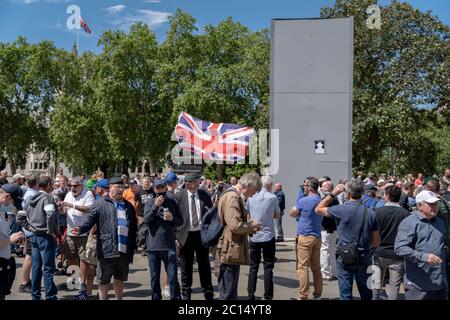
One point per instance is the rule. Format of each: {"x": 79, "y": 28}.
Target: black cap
{"x": 16, "y": 193}
{"x": 191, "y": 177}
{"x": 116, "y": 180}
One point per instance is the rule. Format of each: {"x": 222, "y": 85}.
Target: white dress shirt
{"x": 197, "y": 202}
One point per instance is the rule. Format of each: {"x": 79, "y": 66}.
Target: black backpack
{"x": 212, "y": 227}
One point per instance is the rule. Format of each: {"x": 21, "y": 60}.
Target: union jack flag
{"x": 84, "y": 25}
{"x": 213, "y": 141}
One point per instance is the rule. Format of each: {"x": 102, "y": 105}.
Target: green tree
{"x": 224, "y": 72}
{"x": 397, "y": 69}
{"x": 77, "y": 125}
{"x": 135, "y": 123}
{"x": 27, "y": 92}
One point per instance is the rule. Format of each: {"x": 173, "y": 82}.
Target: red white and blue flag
{"x": 213, "y": 141}
{"x": 84, "y": 25}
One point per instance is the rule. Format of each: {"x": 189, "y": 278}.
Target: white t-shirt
{"x": 77, "y": 218}
{"x": 5, "y": 252}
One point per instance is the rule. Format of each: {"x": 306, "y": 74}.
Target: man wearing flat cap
{"x": 116, "y": 223}
{"x": 193, "y": 203}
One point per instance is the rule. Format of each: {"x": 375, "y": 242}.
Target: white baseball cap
{"x": 426, "y": 196}
{"x": 18, "y": 176}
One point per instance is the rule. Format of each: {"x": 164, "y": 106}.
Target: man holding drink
{"x": 162, "y": 216}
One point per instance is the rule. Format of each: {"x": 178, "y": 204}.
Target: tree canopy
{"x": 121, "y": 105}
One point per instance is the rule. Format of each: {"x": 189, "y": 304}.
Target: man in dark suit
{"x": 193, "y": 203}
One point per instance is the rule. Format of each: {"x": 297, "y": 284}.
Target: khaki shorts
{"x": 75, "y": 247}
{"x": 91, "y": 250}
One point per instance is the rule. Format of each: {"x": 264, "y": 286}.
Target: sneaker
{"x": 83, "y": 296}
{"x": 316, "y": 298}
{"x": 329, "y": 279}
{"x": 25, "y": 288}
{"x": 165, "y": 292}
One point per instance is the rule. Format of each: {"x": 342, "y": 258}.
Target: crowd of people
{"x": 375, "y": 227}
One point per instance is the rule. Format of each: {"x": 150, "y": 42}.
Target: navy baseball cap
{"x": 159, "y": 182}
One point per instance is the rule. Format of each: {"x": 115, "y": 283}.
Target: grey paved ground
{"x": 138, "y": 285}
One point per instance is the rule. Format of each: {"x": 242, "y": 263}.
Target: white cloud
{"x": 152, "y": 18}
{"x": 152, "y": 1}
{"x": 24, "y": 1}
{"x": 115, "y": 9}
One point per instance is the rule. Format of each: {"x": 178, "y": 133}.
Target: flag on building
{"x": 213, "y": 141}
{"x": 84, "y": 25}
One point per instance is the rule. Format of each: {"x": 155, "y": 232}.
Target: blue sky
{"x": 46, "y": 19}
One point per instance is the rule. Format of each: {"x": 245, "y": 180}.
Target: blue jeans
{"x": 169, "y": 257}
{"x": 279, "y": 227}
{"x": 346, "y": 275}
{"x": 43, "y": 262}
{"x": 228, "y": 281}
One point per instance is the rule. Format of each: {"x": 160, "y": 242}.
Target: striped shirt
{"x": 122, "y": 227}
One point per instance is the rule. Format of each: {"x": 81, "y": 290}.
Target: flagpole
{"x": 78, "y": 39}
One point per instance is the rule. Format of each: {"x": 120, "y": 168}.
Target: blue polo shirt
{"x": 348, "y": 219}
{"x": 309, "y": 223}
{"x": 262, "y": 207}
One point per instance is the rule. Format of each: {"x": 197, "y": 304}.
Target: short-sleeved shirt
{"x": 77, "y": 218}
{"x": 309, "y": 222}
{"x": 349, "y": 217}
{"x": 262, "y": 207}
